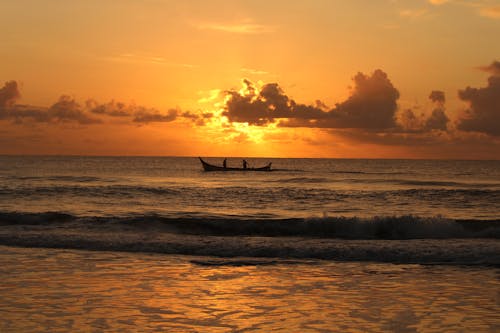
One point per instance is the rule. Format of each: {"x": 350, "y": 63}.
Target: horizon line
{"x": 259, "y": 157}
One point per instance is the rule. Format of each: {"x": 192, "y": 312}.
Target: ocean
{"x": 176, "y": 187}
{"x": 315, "y": 245}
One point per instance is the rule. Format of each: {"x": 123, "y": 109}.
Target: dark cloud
{"x": 189, "y": 115}
{"x": 269, "y": 104}
{"x": 20, "y": 113}
{"x": 372, "y": 108}
{"x": 9, "y": 93}
{"x": 438, "y": 120}
{"x": 143, "y": 115}
{"x": 372, "y": 105}
{"x": 247, "y": 108}
{"x": 410, "y": 122}
{"x": 483, "y": 114}
{"x": 493, "y": 68}
{"x": 113, "y": 109}
{"x": 147, "y": 116}
{"x": 66, "y": 109}
{"x": 437, "y": 96}
{"x": 198, "y": 119}
{"x": 395, "y": 138}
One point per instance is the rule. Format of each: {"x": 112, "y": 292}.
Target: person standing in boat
{"x": 224, "y": 163}
{"x": 245, "y": 164}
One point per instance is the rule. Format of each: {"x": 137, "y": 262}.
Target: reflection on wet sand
{"x": 67, "y": 290}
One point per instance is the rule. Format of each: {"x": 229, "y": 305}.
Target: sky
{"x": 317, "y": 78}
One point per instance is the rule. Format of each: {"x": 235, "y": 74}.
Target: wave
{"x": 276, "y": 192}
{"x": 402, "y": 182}
{"x": 370, "y": 172}
{"x": 86, "y": 190}
{"x": 389, "y": 227}
{"x": 444, "y": 183}
{"x": 76, "y": 179}
{"x": 405, "y": 239}
{"x": 423, "y": 183}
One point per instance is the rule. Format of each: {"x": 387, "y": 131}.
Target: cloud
{"x": 493, "y": 68}
{"x": 372, "y": 105}
{"x": 437, "y": 96}
{"x": 147, "y": 116}
{"x": 265, "y": 106}
{"x": 20, "y": 113}
{"x": 371, "y": 112}
{"x": 409, "y": 122}
{"x": 438, "y": 120}
{"x": 67, "y": 109}
{"x": 9, "y": 93}
{"x": 112, "y": 109}
{"x": 483, "y": 114}
{"x": 198, "y": 119}
{"x": 394, "y": 138}
{"x": 143, "y": 115}
{"x": 491, "y": 12}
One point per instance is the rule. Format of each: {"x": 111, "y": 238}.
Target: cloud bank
{"x": 67, "y": 110}
{"x": 483, "y": 114}
{"x": 372, "y": 106}
{"x": 9, "y": 94}
{"x": 371, "y": 112}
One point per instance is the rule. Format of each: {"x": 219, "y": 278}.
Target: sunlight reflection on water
{"x": 67, "y": 290}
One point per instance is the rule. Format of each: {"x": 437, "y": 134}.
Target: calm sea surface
{"x": 303, "y": 188}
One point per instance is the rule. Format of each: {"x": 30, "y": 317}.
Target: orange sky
{"x": 320, "y": 78}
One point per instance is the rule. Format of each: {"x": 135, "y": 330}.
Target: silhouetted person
{"x": 224, "y": 163}
{"x": 244, "y": 164}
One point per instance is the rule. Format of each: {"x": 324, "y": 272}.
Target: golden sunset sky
{"x": 317, "y": 78}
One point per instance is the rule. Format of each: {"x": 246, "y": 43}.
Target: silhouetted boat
{"x": 210, "y": 167}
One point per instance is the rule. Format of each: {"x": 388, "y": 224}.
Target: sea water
{"x": 46, "y": 290}
{"x": 296, "y": 188}
{"x": 316, "y": 245}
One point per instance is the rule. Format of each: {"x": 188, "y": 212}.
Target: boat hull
{"x": 211, "y": 167}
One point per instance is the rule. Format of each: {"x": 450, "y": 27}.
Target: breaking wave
{"x": 405, "y": 239}
{"x": 391, "y": 227}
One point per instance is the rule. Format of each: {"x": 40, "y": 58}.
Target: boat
{"x": 211, "y": 167}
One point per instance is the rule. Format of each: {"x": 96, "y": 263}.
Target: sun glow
{"x": 225, "y": 131}
{"x": 251, "y": 133}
